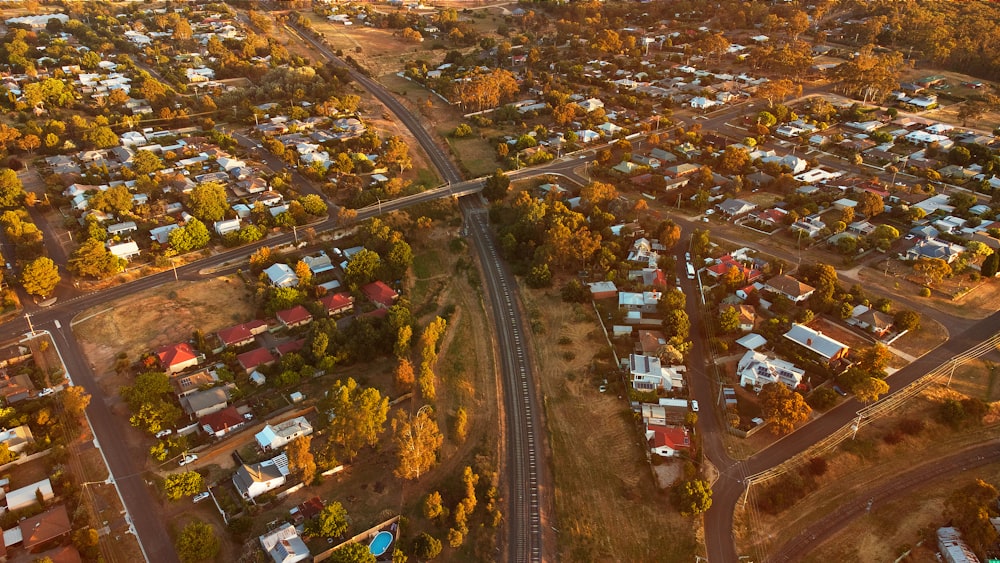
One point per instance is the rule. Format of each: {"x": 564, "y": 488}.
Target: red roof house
{"x": 177, "y": 357}
{"x": 667, "y": 441}
{"x": 289, "y": 347}
{"x": 222, "y": 422}
{"x": 296, "y": 316}
{"x": 241, "y": 334}
{"x": 380, "y": 294}
{"x": 337, "y": 303}
{"x": 255, "y": 358}
{"x": 38, "y": 530}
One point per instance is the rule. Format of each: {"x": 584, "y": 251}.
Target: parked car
{"x": 189, "y": 458}
{"x": 164, "y": 433}
{"x": 840, "y": 391}
{"x": 46, "y": 392}
{"x": 694, "y": 406}
{"x": 201, "y": 496}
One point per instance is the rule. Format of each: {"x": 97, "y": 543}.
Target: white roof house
{"x": 648, "y": 374}
{"x": 284, "y": 545}
{"x": 254, "y": 480}
{"x": 281, "y": 275}
{"x": 17, "y": 439}
{"x": 278, "y": 436}
{"x": 757, "y": 370}
{"x": 319, "y": 263}
{"x": 591, "y": 104}
{"x": 227, "y": 226}
{"x": 816, "y": 342}
{"x": 27, "y": 496}
{"x": 124, "y": 250}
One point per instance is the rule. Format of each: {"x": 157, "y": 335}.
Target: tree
{"x": 178, "y": 485}
{"x": 362, "y": 268}
{"x": 432, "y": 507}
{"x": 75, "y": 400}
{"x": 778, "y": 90}
{"x": 970, "y": 509}
{"x": 314, "y": 205}
{"x": 147, "y": 400}
{"x": 303, "y": 272}
{"x": 40, "y": 277}
{"x": 92, "y": 259}
{"x": 497, "y": 186}
{"x": 359, "y": 416}
{"x": 729, "y": 320}
{"x": 11, "y": 189}
{"x": 190, "y": 237}
{"x": 397, "y": 152}
{"x": 869, "y": 389}
{"x": 869, "y": 204}
{"x": 113, "y": 200}
{"x": 868, "y": 75}
{"x": 353, "y": 553}
{"x": 418, "y": 440}
{"x": 146, "y": 162}
{"x": 197, "y": 542}
{"x": 426, "y": 546}
{"x": 331, "y": 522}
{"x": 598, "y": 193}
{"x": 874, "y": 359}
{"x": 460, "y": 426}
{"x": 906, "y": 320}
{"x": 101, "y": 137}
{"x": 693, "y": 497}
{"x": 403, "y": 376}
{"x": 300, "y": 458}
{"x": 990, "y": 265}
{"x": 783, "y": 408}
{"x": 208, "y": 201}
{"x": 669, "y": 233}
{"x": 934, "y": 269}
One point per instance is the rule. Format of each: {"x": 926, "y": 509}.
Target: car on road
{"x": 46, "y": 392}
{"x": 164, "y": 433}
{"x": 189, "y": 458}
{"x": 694, "y": 405}
{"x": 840, "y": 391}
{"x": 201, "y": 496}
{"x": 687, "y": 256}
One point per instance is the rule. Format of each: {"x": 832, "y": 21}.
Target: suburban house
{"x": 934, "y": 248}
{"x": 603, "y": 290}
{"x": 17, "y": 439}
{"x": 124, "y": 250}
{"x": 757, "y": 370}
{"x": 255, "y": 358}
{"x": 650, "y": 342}
{"x": 667, "y": 441}
{"x": 380, "y": 294}
{"x": 176, "y": 358}
{"x": 747, "y": 315}
{"x": 294, "y": 317}
{"x": 281, "y": 275}
{"x": 256, "y": 479}
{"x": 319, "y": 263}
{"x": 227, "y": 226}
{"x": 278, "y": 436}
{"x": 337, "y": 303}
{"x": 816, "y": 342}
{"x": 790, "y": 287}
{"x": 284, "y": 545}
{"x": 38, "y": 531}
{"x": 202, "y": 403}
{"x": 223, "y": 422}
{"x": 953, "y": 548}
{"x": 649, "y": 375}
{"x": 187, "y": 383}
{"x": 28, "y": 495}
{"x": 875, "y": 322}
{"x": 735, "y": 207}
{"x": 645, "y": 302}
{"x": 241, "y": 334}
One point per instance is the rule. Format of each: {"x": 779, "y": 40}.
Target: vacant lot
{"x": 607, "y": 504}
{"x": 977, "y": 300}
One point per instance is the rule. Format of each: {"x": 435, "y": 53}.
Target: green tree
{"x": 418, "y": 440}
{"x": 426, "y": 546}
{"x": 101, "y": 137}
{"x": 353, "y": 553}
{"x": 112, "y": 200}
{"x": 693, "y": 497}
{"x": 92, "y": 259}
{"x": 934, "y": 269}
{"x": 150, "y": 400}
{"x": 40, "y": 277}
{"x": 729, "y": 320}
{"x": 300, "y": 457}
{"x": 314, "y": 205}
{"x": 362, "y": 268}
{"x": 146, "y": 162}
{"x": 497, "y": 186}
{"x": 11, "y": 189}
{"x": 990, "y": 265}
{"x": 869, "y": 389}
{"x": 208, "y": 201}
{"x": 197, "y": 542}
{"x": 331, "y": 522}
{"x": 192, "y": 236}
{"x": 178, "y": 485}
{"x": 359, "y": 416}
{"x": 783, "y": 409}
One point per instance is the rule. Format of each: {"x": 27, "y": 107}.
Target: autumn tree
{"x": 359, "y": 416}
{"x": 11, "y": 189}
{"x": 487, "y": 90}
{"x": 418, "y": 440}
{"x": 40, "y": 277}
{"x": 331, "y": 522}
{"x": 970, "y": 509}
{"x": 874, "y": 359}
{"x": 396, "y": 152}
{"x": 403, "y": 376}
{"x": 197, "y": 542}
{"x": 300, "y": 458}
{"x": 598, "y": 193}
{"x": 778, "y": 91}
{"x": 933, "y": 269}
{"x": 869, "y": 389}
{"x": 460, "y": 425}
{"x": 870, "y": 75}
{"x": 869, "y": 204}
{"x": 783, "y": 408}
{"x": 75, "y": 400}
{"x": 185, "y": 484}
{"x": 92, "y": 259}
{"x": 669, "y": 233}
{"x": 692, "y": 497}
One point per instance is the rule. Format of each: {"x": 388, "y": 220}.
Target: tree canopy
{"x": 11, "y": 189}
{"x": 783, "y": 408}
{"x": 92, "y": 259}
{"x": 197, "y": 542}
{"x": 359, "y": 416}
{"x": 418, "y": 440}
{"x": 331, "y": 522}
{"x": 208, "y": 201}
{"x": 40, "y": 277}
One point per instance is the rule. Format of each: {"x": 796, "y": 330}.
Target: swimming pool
{"x": 380, "y": 543}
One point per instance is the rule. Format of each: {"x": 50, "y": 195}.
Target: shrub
{"x": 463, "y": 130}
{"x": 822, "y": 399}
{"x": 818, "y": 466}
{"x": 925, "y": 292}
{"x": 911, "y": 426}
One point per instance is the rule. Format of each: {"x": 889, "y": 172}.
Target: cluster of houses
{"x": 314, "y": 138}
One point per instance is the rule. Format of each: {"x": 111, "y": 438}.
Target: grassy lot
{"x": 930, "y": 335}
{"x": 978, "y": 378}
{"x": 607, "y": 504}
{"x": 899, "y": 279}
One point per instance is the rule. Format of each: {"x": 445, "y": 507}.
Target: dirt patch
{"x": 608, "y": 506}
{"x": 958, "y": 295}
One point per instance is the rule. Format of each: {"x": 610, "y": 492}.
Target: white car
{"x": 201, "y": 496}
{"x": 687, "y": 256}
{"x": 190, "y": 458}
{"x": 694, "y": 406}
{"x": 46, "y": 392}
{"x": 164, "y": 433}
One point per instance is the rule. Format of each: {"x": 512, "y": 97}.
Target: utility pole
{"x": 173, "y": 266}
{"x": 27, "y": 317}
